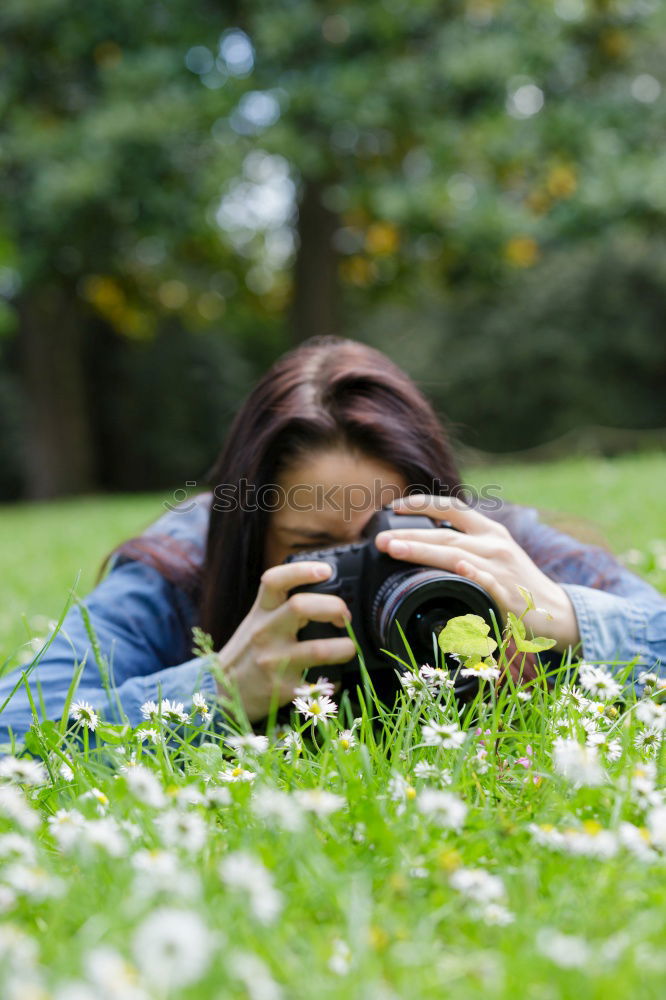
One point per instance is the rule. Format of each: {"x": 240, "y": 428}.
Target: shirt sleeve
{"x": 142, "y": 628}
{"x": 621, "y": 618}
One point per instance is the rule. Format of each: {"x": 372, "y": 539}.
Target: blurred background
{"x": 189, "y": 188}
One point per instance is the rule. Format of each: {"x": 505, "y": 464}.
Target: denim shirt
{"x": 143, "y": 622}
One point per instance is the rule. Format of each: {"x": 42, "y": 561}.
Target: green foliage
{"x": 471, "y": 158}
{"x": 493, "y": 848}
{"x": 524, "y": 645}
{"x": 467, "y": 636}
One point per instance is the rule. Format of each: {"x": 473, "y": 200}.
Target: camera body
{"x": 381, "y": 592}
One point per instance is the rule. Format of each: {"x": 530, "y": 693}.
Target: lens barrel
{"x": 423, "y": 601}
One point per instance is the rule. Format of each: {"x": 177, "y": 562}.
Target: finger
{"x": 478, "y": 575}
{"x": 452, "y": 509}
{"x": 437, "y": 536}
{"x": 321, "y": 652}
{"x": 299, "y": 609}
{"x": 439, "y": 556}
{"x": 277, "y": 581}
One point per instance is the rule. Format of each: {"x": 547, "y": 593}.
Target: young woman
{"x": 331, "y": 433}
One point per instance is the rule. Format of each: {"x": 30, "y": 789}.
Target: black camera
{"x": 382, "y": 592}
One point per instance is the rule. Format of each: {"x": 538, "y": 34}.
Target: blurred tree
{"x": 107, "y": 161}
{"x": 452, "y": 145}
{"x": 172, "y": 171}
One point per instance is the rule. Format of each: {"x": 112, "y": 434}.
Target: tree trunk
{"x": 59, "y": 457}
{"x": 315, "y": 305}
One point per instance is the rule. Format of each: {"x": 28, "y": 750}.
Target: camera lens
{"x": 430, "y": 618}
{"x": 422, "y": 601}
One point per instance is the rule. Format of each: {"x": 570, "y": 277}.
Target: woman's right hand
{"x": 264, "y": 660}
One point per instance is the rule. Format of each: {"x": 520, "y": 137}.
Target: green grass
{"x": 509, "y": 860}
{"x": 46, "y": 548}
{"x": 621, "y": 500}
{"x": 502, "y": 863}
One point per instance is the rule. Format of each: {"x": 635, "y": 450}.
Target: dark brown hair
{"x": 329, "y": 392}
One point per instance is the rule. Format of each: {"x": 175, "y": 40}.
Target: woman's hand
{"x": 263, "y": 659}
{"x": 483, "y": 551}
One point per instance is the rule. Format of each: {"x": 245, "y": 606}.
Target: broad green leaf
{"x": 467, "y": 635}
{"x": 516, "y": 626}
{"x": 535, "y": 645}
{"x": 524, "y": 645}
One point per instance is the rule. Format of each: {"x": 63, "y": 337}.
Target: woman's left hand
{"x": 482, "y": 550}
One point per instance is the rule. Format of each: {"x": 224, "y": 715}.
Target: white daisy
{"x": 35, "y": 883}
{"x": 483, "y": 671}
{"x": 613, "y": 750}
{"x": 65, "y": 770}
{"x": 184, "y": 830}
{"x": 598, "y": 681}
{"x": 99, "y": 797}
{"x": 273, "y": 805}
{"x": 565, "y": 950}
{"x": 318, "y": 801}
{"x": 400, "y": 790}
{"x": 244, "y": 743}
{"x": 437, "y": 678}
{"x": 173, "y": 712}
{"x": 649, "y": 740}
{"x": 255, "y": 976}
{"x": 412, "y": 684}
{"x": 572, "y": 696}
{"x": 426, "y": 771}
{"x": 577, "y": 763}
{"x": 322, "y": 688}
{"x": 346, "y": 739}
{"x": 25, "y": 771}
{"x": 636, "y": 840}
{"x": 66, "y": 826}
{"x": 341, "y": 958}
{"x": 200, "y": 705}
{"x": 591, "y": 841}
{"x": 148, "y": 733}
{"x": 18, "y": 847}
{"x": 242, "y": 870}
{"x": 319, "y": 708}
{"x": 236, "y": 773}
{"x": 448, "y": 736}
{"x": 145, "y": 786}
{"x": 495, "y": 914}
{"x": 218, "y": 797}
{"x": 478, "y": 884}
{"x": 643, "y": 785}
{"x": 444, "y": 807}
{"x": 113, "y": 977}
{"x": 14, "y": 805}
{"x": 651, "y": 714}
{"x": 105, "y": 834}
{"x": 290, "y": 741}
{"x": 85, "y": 714}
{"x": 656, "y": 823}
{"x": 172, "y": 948}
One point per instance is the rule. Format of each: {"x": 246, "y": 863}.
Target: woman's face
{"x": 329, "y": 498}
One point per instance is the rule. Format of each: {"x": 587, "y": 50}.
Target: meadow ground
{"x": 516, "y": 848}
